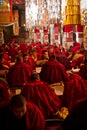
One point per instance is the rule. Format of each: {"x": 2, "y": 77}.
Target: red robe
{"x": 19, "y": 74}
{"x": 53, "y": 72}
{"x": 75, "y": 89}
{"x": 77, "y": 119}
{"x": 4, "y": 94}
{"x": 32, "y": 120}
{"x": 83, "y": 71}
{"x": 77, "y": 61}
{"x": 43, "y": 96}
{"x": 31, "y": 62}
{"x": 63, "y": 60}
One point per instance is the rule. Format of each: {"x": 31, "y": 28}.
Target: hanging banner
{"x": 79, "y": 33}
{"x": 16, "y": 23}
{"x": 5, "y": 11}
{"x": 56, "y": 28}
{"x": 45, "y": 35}
{"x": 37, "y": 34}
{"x": 68, "y": 28}
{"x": 56, "y": 32}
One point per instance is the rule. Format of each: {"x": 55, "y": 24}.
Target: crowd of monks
{"x": 18, "y": 63}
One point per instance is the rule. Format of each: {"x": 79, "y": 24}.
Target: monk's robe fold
{"x": 77, "y": 119}
{"x": 74, "y": 90}
{"x": 4, "y": 94}
{"x": 43, "y": 96}
{"x": 19, "y": 74}
{"x": 53, "y": 72}
{"x": 63, "y": 60}
{"x": 83, "y": 71}
{"x": 32, "y": 120}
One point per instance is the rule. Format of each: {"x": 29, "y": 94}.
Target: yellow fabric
{"x": 76, "y": 56}
{"x": 3, "y": 72}
{"x": 69, "y": 2}
{"x": 4, "y": 80}
{"x": 76, "y": 2}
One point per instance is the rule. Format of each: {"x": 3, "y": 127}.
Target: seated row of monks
{"x": 36, "y": 87}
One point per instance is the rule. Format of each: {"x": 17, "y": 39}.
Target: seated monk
{"x": 29, "y": 60}
{"x": 77, "y": 119}
{"x": 79, "y": 60}
{"x": 3, "y": 67}
{"x": 53, "y": 71}
{"x": 42, "y": 95}
{"x": 21, "y": 115}
{"x": 4, "y": 94}
{"x": 83, "y": 71}
{"x": 19, "y": 74}
{"x": 74, "y": 90}
{"x": 45, "y": 58}
{"x": 45, "y": 55}
{"x": 63, "y": 60}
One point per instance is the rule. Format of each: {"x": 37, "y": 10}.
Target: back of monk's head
{"x": 17, "y": 101}
{"x": 19, "y": 58}
{"x": 34, "y": 76}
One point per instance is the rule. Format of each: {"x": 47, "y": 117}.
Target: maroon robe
{"x": 32, "y": 120}
{"x": 83, "y": 71}
{"x": 77, "y": 62}
{"x": 23, "y": 47}
{"x": 43, "y": 96}
{"x": 53, "y": 72}
{"x": 77, "y": 119}
{"x": 31, "y": 62}
{"x": 4, "y": 94}
{"x": 19, "y": 74}
{"x": 63, "y": 60}
{"x": 75, "y": 89}
{"x": 12, "y": 52}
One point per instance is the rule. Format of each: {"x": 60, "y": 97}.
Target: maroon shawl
{"x": 43, "y": 96}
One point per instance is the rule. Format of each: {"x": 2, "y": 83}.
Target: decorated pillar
{"x": 73, "y": 17}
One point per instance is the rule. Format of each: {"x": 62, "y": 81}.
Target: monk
{"x": 77, "y": 119}
{"x": 4, "y": 94}
{"x": 3, "y": 67}
{"x": 83, "y": 71}
{"x": 53, "y": 71}
{"x": 29, "y": 60}
{"x": 19, "y": 74}
{"x": 75, "y": 89}
{"x": 21, "y": 115}
{"x": 42, "y": 95}
{"x": 45, "y": 55}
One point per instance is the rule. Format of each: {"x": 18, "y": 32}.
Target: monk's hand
{"x": 62, "y": 113}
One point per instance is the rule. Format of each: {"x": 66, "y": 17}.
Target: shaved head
{"x": 17, "y": 101}
{"x": 18, "y": 106}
